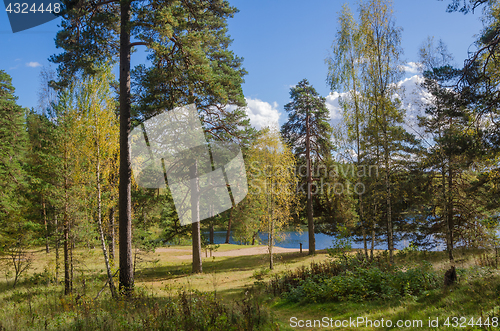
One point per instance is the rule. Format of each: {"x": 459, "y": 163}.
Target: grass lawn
{"x": 37, "y": 303}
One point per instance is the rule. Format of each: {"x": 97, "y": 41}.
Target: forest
{"x": 99, "y": 234}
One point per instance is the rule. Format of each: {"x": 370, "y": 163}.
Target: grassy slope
{"x": 162, "y": 274}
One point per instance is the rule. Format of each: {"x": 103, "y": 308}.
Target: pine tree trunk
{"x": 228, "y": 233}
{"x": 67, "y": 276}
{"x": 372, "y": 241}
{"x": 46, "y": 226}
{"x": 449, "y": 210}
{"x": 211, "y": 233}
{"x": 363, "y": 229}
{"x": 57, "y": 247}
{"x": 195, "y": 215}
{"x": 310, "y": 219}
{"x": 125, "y": 221}
{"x": 373, "y": 232}
{"x": 71, "y": 247}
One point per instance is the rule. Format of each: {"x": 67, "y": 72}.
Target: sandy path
{"x": 234, "y": 252}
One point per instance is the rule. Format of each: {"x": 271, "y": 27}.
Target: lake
{"x": 293, "y": 240}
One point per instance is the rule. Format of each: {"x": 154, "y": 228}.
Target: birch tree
{"x": 344, "y": 76}
{"x": 272, "y": 184}
{"x": 382, "y": 70}
{"x": 99, "y": 130}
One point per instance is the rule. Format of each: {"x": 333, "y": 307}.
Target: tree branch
{"x": 138, "y": 43}
{"x": 105, "y": 3}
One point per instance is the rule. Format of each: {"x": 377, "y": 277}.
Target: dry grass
{"x": 164, "y": 274}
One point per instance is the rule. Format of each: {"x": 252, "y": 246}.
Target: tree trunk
{"x": 125, "y": 221}
{"x": 310, "y": 219}
{"x": 363, "y": 230}
{"x": 57, "y": 247}
{"x": 195, "y": 218}
{"x": 67, "y": 276}
{"x": 99, "y": 221}
{"x": 271, "y": 229}
{"x": 390, "y": 242}
{"x": 111, "y": 234}
{"x": 228, "y": 233}
{"x": 373, "y": 232}
{"x": 270, "y": 244}
{"x": 449, "y": 210}
{"x": 67, "y": 258}
{"x": 46, "y": 226}
{"x": 358, "y": 150}
{"x": 72, "y": 246}
{"x": 211, "y": 233}
{"x": 373, "y": 241}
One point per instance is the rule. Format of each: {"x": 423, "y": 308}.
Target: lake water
{"x": 293, "y": 240}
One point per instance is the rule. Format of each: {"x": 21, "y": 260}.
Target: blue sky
{"x": 281, "y": 41}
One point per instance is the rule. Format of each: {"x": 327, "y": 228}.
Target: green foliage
{"x": 365, "y": 67}
{"x": 205, "y": 243}
{"x": 410, "y": 250}
{"x": 13, "y": 177}
{"x": 341, "y": 244}
{"x": 361, "y": 282}
{"x": 307, "y": 120}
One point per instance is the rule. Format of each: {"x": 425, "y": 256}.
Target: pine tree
{"x": 17, "y": 230}
{"x": 454, "y": 151}
{"x": 308, "y": 132}
{"x": 191, "y": 63}
{"x": 13, "y": 147}
{"x": 39, "y": 163}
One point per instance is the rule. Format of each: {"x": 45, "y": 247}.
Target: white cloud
{"x": 33, "y": 64}
{"x": 415, "y": 98}
{"x": 262, "y": 114}
{"x": 412, "y": 68}
{"x": 332, "y": 103}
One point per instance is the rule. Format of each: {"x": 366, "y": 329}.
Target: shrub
{"x": 353, "y": 278}
{"x": 365, "y": 284}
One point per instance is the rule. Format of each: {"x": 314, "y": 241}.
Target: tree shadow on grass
{"x": 220, "y": 264}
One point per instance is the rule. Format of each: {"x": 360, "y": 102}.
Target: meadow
{"x": 236, "y": 293}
